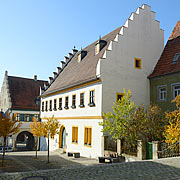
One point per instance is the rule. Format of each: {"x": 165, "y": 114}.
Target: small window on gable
{"x": 175, "y": 59}
{"x": 81, "y": 55}
{"x": 137, "y": 63}
{"x": 100, "y": 45}
{"x": 119, "y": 96}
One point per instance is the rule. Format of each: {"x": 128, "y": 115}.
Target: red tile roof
{"x": 23, "y": 92}
{"x": 165, "y": 65}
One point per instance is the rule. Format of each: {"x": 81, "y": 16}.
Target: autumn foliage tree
{"x": 8, "y": 126}
{"x": 130, "y": 122}
{"x": 37, "y": 131}
{"x": 172, "y": 130}
{"x": 50, "y": 129}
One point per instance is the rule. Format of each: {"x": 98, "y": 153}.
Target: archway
{"x": 62, "y": 137}
{"x": 25, "y": 141}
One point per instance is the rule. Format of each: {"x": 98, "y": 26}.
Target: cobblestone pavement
{"x": 163, "y": 169}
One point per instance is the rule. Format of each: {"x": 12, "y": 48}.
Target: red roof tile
{"x": 23, "y": 92}
{"x": 165, "y": 65}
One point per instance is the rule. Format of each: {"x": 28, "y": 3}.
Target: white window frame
{"x": 164, "y": 92}
{"x": 173, "y": 89}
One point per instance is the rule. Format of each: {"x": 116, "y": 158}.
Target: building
{"x": 165, "y": 79}
{"x": 20, "y": 96}
{"x": 89, "y": 81}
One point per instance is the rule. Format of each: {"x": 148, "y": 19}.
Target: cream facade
{"x": 126, "y": 61}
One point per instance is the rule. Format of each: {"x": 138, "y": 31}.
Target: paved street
{"x": 163, "y": 169}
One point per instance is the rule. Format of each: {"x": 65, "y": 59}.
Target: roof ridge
{"x": 176, "y": 31}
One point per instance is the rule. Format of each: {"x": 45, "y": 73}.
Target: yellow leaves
{"x": 172, "y": 131}
{"x": 36, "y": 128}
{"x": 50, "y": 127}
{"x": 8, "y": 125}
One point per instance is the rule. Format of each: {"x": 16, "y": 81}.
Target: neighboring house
{"x": 89, "y": 81}
{"x": 20, "y": 96}
{"x": 165, "y": 79}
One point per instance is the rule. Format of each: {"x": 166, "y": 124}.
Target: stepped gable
{"x": 165, "y": 65}
{"x": 23, "y": 92}
{"x": 75, "y": 73}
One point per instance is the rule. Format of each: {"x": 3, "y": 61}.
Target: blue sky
{"x": 35, "y": 35}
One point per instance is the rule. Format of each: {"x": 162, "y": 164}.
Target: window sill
{"x": 91, "y": 104}
{"x": 86, "y": 145}
{"x": 81, "y": 105}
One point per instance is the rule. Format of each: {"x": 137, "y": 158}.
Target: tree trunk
{"x": 36, "y": 146}
{"x": 4, "y": 150}
{"x": 48, "y": 148}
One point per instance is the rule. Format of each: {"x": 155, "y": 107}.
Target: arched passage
{"x": 25, "y": 141}
{"x": 62, "y": 137}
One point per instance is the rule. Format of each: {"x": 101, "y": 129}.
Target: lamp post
{"x": 48, "y": 143}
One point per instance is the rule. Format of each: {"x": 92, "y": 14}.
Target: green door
{"x": 148, "y": 150}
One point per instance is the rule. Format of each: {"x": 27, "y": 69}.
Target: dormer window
{"x": 176, "y": 57}
{"x": 81, "y": 55}
{"x": 99, "y": 46}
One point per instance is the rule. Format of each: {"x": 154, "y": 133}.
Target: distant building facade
{"x": 20, "y": 96}
{"x": 165, "y": 79}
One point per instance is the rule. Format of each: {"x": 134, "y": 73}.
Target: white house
{"x": 89, "y": 81}
{"x": 20, "y": 96}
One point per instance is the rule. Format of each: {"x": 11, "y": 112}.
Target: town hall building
{"x": 90, "y": 80}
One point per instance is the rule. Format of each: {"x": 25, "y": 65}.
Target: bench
{"x": 111, "y": 159}
{"x": 75, "y": 154}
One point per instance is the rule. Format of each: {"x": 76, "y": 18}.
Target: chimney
{"x": 74, "y": 50}
{"x": 70, "y": 55}
{"x": 66, "y": 59}
{"x": 55, "y": 74}
{"x": 50, "y": 80}
{"x": 59, "y": 69}
{"x": 35, "y": 77}
{"x": 63, "y": 64}
{"x": 6, "y": 73}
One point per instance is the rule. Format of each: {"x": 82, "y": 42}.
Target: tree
{"x": 117, "y": 123}
{"x": 50, "y": 129}
{"x": 148, "y": 123}
{"x": 8, "y": 126}
{"x": 172, "y": 130}
{"x": 130, "y": 123}
{"x": 37, "y": 131}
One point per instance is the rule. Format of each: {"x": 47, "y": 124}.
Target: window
{"x": 137, "y": 63}
{"x": 175, "y": 59}
{"x": 55, "y": 105}
{"x": 66, "y": 102}
{"x": 91, "y": 98}
{"x": 73, "y": 101}
{"x": 60, "y": 103}
{"x": 50, "y": 105}
{"x": 175, "y": 90}
{"x": 17, "y": 117}
{"x": 37, "y": 116}
{"x": 81, "y": 100}
{"x": 46, "y": 105}
{"x": 31, "y": 117}
{"x": 42, "y": 106}
{"x": 87, "y": 136}
{"x": 22, "y": 117}
{"x": 119, "y": 96}
{"x": 162, "y": 93}
{"x": 27, "y": 117}
{"x": 74, "y": 134}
